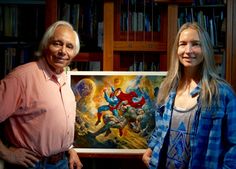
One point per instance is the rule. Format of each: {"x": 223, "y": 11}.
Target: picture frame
{"x": 114, "y": 111}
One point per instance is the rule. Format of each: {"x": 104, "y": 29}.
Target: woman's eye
{"x": 181, "y": 44}
{"x": 196, "y": 44}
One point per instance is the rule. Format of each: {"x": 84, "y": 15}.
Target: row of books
{"x": 16, "y": 22}
{"x": 220, "y": 61}
{"x": 8, "y": 22}
{"x": 86, "y": 66}
{"x": 139, "y": 16}
{"x": 212, "y": 19}
{"x": 12, "y": 55}
{"x": 208, "y": 2}
{"x": 139, "y": 22}
{"x": 86, "y": 17}
{"x": 144, "y": 66}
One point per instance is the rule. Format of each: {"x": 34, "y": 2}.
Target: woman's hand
{"x": 147, "y": 156}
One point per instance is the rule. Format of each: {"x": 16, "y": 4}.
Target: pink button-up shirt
{"x": 40, "y": 109}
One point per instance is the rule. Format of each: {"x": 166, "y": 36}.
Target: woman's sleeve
{"x": 230, "y": 155}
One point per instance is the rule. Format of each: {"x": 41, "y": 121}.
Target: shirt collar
{"x": 196, "y": 90}
{"x": 50, "y": 75}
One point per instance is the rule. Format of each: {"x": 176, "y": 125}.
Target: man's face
{"x": 61, "y": 49}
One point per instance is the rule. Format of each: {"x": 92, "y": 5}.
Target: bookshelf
{"x": 212, "y": 17}
{"x": 119, "y": 48}
{"x": 138, "y": 35}
{"x": 129, "y": 41}
{"x": 229, "y": 48}
{"x": 115, "y": 52}
{"x": 87, "y": 19}
{"x": 19, "y": 32}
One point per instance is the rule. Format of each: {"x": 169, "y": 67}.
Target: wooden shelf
{"x": 110, "y": 153}
{"x": 160, "y": 42}
{"x": 174, "y": 1}
{"x": 27, "y": 2}
{"x": 89, "y": 56}
{"x": 139, "y": 46}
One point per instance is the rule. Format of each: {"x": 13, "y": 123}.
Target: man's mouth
{"x": 61, "y": 59}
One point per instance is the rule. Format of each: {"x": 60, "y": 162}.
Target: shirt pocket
{"x": 210, "y": 123}
{"x": 34, "y": 111}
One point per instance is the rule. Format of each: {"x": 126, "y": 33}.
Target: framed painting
{"x": 115, "y": 110}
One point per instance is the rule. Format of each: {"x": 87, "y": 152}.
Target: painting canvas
{"x": 115, "y": 110}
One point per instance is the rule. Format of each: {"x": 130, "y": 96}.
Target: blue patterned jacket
{"x": 213, "y": 144}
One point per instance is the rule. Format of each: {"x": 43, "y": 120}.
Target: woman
{"x": 196, "y": 109}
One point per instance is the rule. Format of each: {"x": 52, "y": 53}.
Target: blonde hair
{"x": 209, "y": 77}
{"x": 50, "y": 32}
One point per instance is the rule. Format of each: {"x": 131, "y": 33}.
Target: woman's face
{"x": 189, "y": 49}
{"x": 61, "y": 47}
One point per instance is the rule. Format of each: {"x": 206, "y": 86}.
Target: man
{"x": 38, "y": 106}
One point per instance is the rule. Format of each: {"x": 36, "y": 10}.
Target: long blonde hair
{"x": 209, "y": 77}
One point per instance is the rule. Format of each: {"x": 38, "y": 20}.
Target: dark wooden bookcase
{"x": 19, "y": 32}
{"x": 121, "y": 48}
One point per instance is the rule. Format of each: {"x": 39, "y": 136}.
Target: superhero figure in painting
{"x": 116, "y": 98}
{"x": 112, "y": 100}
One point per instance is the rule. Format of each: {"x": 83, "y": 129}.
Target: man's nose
{"x": 63, "y": 49}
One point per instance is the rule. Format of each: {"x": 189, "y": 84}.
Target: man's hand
{"x": 147, "y": 156}
{"x": 74, "y": 161}
{"x": 20, "y": 156}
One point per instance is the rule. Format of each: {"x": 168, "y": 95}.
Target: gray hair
{"x": 50, "y": 32}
